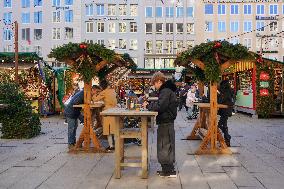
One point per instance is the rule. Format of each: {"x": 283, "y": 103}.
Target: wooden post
{"x": 213, "y": 115}
{"x": 87, "y": 115}
{"x": 16, "y": 52}
{"x": 200, "y": 88}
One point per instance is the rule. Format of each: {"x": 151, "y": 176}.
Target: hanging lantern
{"x": 264, "y": 92}
{"x": 264, "y": 76}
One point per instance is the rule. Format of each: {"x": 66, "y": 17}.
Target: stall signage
{"x": 264, "y": 76}
{"x": 266, "y": 18}
{"x": 264, "y": 92}
{"x": 264, "y": 84}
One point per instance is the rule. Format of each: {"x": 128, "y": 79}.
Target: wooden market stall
{"x": 243, "y": 79}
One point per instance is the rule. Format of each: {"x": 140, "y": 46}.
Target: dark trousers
{"x": 166, "y": 146}
{"x": 182, "y": 102}
{"x": 223, "y": 125}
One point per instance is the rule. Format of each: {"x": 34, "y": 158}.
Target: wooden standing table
{"x": 121, "y": 133}
{"x": 87, "y": 131}
{"x": 203, "y": 122}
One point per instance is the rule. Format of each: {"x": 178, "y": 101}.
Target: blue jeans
{"x": 72, "y": 127}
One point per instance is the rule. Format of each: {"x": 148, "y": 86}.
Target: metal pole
{"x": 16, "y": 52}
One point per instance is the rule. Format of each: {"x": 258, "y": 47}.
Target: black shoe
{"x": 228, "y": 143}
{"x": 171, "y": 174}
{"x": 110, "y": 149}
{"x": 189, "y": 118}
{"x": 159, "y": 172}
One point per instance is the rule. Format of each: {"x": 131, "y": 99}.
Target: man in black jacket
{"x": 166, "y": 106}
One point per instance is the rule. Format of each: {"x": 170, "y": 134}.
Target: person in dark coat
{"x": 166, "y": 106}
{"x": 225, "y": 96}
{"x": 182, "y": 97}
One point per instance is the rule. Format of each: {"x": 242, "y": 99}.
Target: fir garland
{"x": 213, "y": 54}
{"x": 264, "y": 104}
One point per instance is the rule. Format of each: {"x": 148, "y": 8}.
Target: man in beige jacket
{"x": 108, "y": 96}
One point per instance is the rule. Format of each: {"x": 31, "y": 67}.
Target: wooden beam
{"x": 227, "y": 64}
{"x": 100, "y": 65}
{"x": 198, "y": 63}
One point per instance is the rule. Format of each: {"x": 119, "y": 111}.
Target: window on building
{"x": 134, "y": 10}
{"x": 149, "y": 47}
{"x": 235, "y": 41}
{"x": 169, "y": 12}
{"x": 111, "y": 27}
{"x": 234, "y": 26}
{"x": 260, "y": 25}
{"x": 169, "y": 63}
{"x": 69, "y": 16}
{"x": 149, "y": 63}
{"x": 68, "y": 2}
{"x": 234, "y": 9}
{"x": 55, "y": 3}
{"x": 26, "y": 34}
{"x": 101, "y": 42}
{"x": 222, "y": 26}
{"x": 170, "y": 47}
{"x": 8, "y": 48}
{"x": 247, "y": 9}
{"x": 169, "y": 28}
{"x": 100, "y": 9}
{"x": 159, "y": 28}
{"x": 179, "y": 46}
{"x": 122, "y": 10}
{"x": 189, "y": 43}
{"x": 248, "y": 42}
{"x": 149, "y": 28}
{"x": 122, "y": 27}
{"x": 221, "y": 9}
{"x": 111, "y": 10}
{"x": 190, "y": 28}
{"x": 122, "y": 44}
{"x": 69, "y": 33}
{"x": 56, "y": 33}
{"x": 25, "y": 18}
{"x": 38, "y": 50}
{"x": 149, "y": 12}
{"x": 89, "y": 10}
{"x": 209, "y": 26}
{"x": 273, "y": 9}
{"x": 273, "y": 26}
{"x": 111, "y": 44}
{"x": 7, "y": 3}
{"x": 25, "y": 3}
{"x": 208, "y": 8}
{"x": 159, "y": 12}
{"x": 38, "y": 17}
{"x": 159, "y": 63}
{"x": 7, "y": 18}
{"x": 133, "y": 27}
{"x": 180, "y": 28}
{"x": 260, "y": 9}
{"x": 179, "y": 12}
{"x": 37, "y": 34}
{"x": 247, "y": 26}
{"x": 38, "y": 3}
{"x": 100, "y": 27}
{"x": 133, "y": 44}
{"x": 56, "y": 16}
{"x": 159, "y": 47}
{"x": 7, "y": 35}
{"x": 189, "y": 11}
{"x": 89, "y": 27}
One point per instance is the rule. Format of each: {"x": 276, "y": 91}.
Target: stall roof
{"x": 275, "y": 61}
{"x": 24, "y": 57}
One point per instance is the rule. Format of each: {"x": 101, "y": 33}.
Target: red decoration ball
{"x": 217, "y": 45}
{"x": 83, "y": 46}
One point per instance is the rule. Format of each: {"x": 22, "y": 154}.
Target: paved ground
{"x": 43, "y": 162}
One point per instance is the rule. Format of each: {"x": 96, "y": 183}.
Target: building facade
{"x": 152, "y": 32}
{"x": 256, "y": 24}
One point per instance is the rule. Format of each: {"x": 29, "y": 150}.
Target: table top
{"x": 93, "y": 105}
{"x": 207, "y": 105}
{"x": 124, "y": 112}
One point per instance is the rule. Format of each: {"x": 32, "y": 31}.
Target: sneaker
{"x": 65, "y": 122}
{"x": 172, "y": 174}
{"x": 159, "y": 172}
{"x": 189, "y": 118}
{"x": 110, "y": 149}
